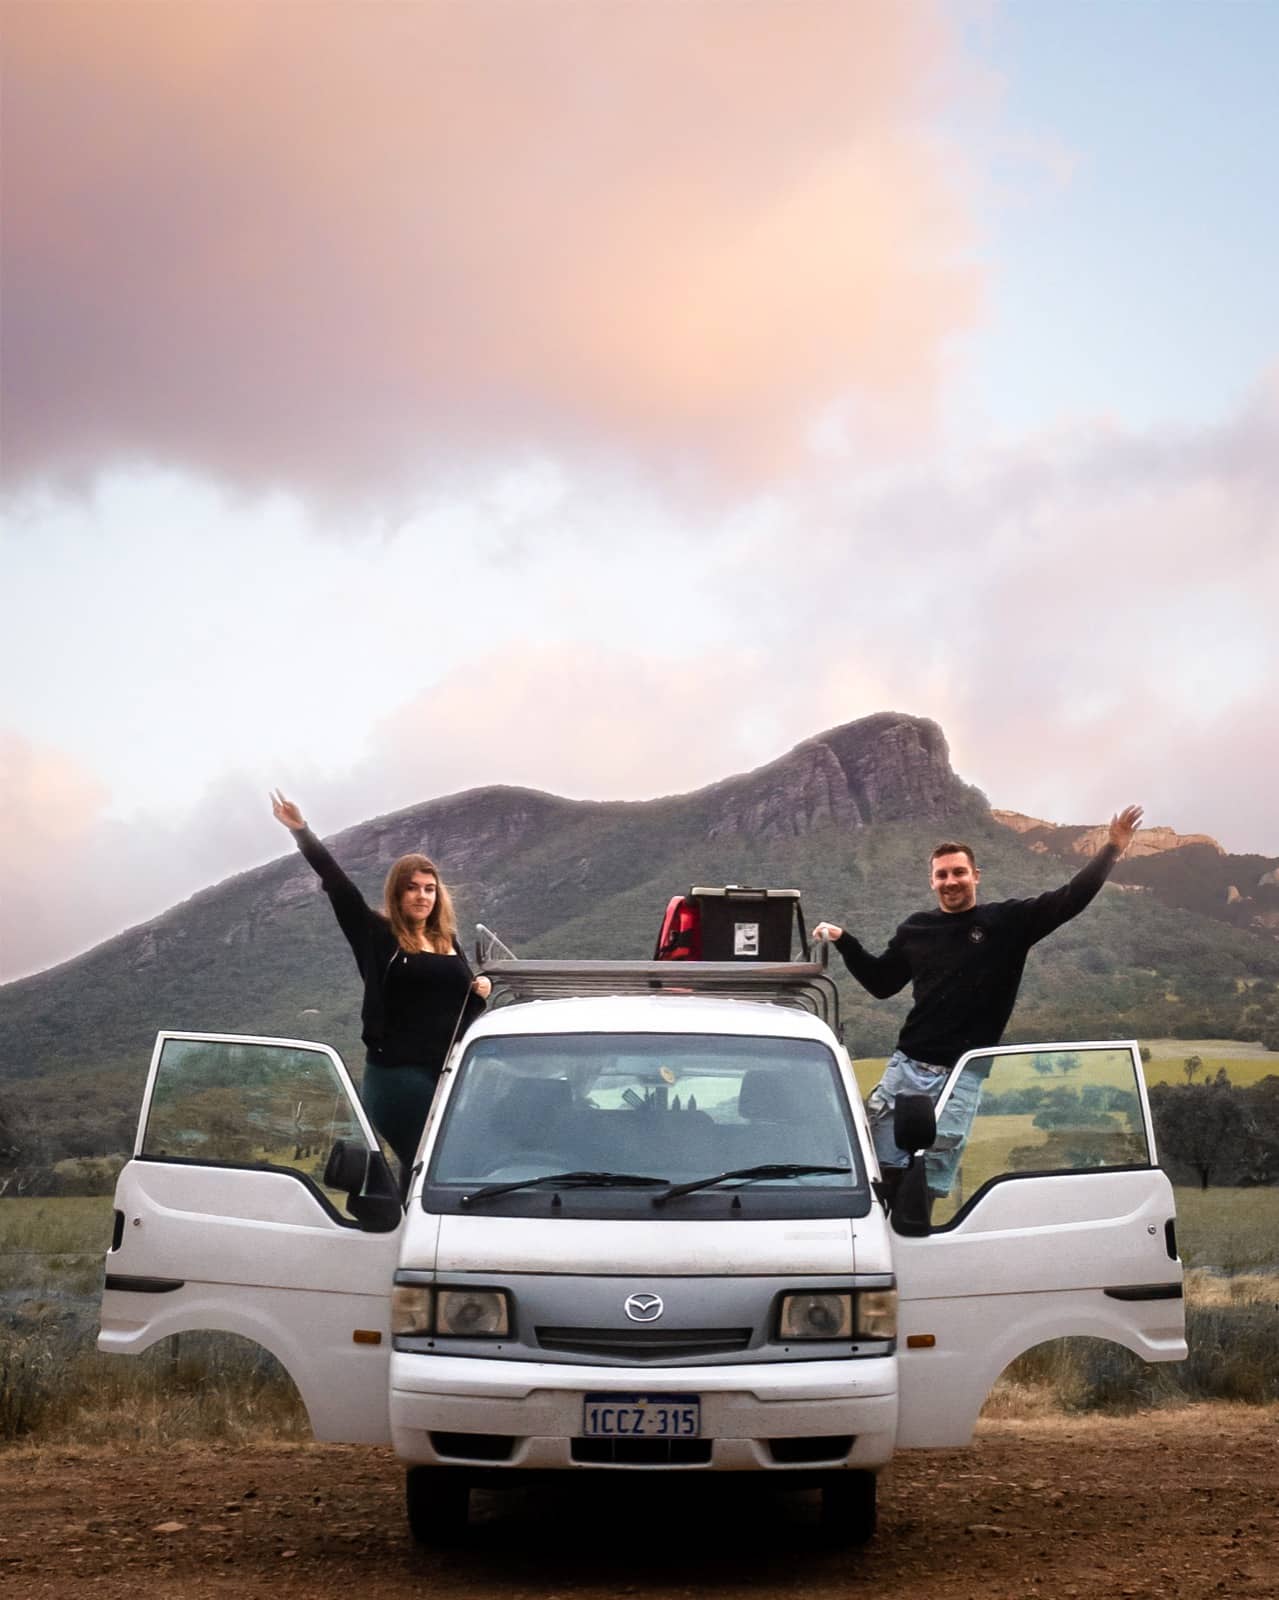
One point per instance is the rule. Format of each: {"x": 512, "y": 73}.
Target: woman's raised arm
{"x": 286, "y": 812}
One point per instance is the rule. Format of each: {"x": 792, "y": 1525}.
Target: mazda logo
{"x": 643, "y": 1307}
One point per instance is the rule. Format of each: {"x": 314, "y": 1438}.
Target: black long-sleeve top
{"x": 412, "y": 1001}
{"x": 965, "y": 966}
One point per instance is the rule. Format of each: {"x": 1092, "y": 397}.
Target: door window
{"x": 236, "y": 1103}
{"x": 1052, "y": 1109}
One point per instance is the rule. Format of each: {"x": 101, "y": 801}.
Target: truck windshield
{"x": 676, "y": 1105}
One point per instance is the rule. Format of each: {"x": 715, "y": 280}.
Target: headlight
{"x": 410, "y": 1309}
{"x": 816, "y": 1316}
{"x": 471, "y": 1313}
{"x": 876, "y": 1314}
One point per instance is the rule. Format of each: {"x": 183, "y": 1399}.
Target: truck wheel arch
{"x": 943, "y": 1412}
{"x": 253, "y": 1329}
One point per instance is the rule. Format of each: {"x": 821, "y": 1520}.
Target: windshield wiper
{"x": 770, "y": 1169}
{"x": 569, "y": 1180}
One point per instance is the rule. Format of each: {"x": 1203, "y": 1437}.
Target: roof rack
{"x": 804, "y": 985}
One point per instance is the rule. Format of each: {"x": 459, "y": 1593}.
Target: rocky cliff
{"x": 1058, "y": 839}
{"x": 885, "y": 768}
{"x": 1188, "y": 870}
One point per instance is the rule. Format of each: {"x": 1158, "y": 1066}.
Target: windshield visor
{"x": 673, "y": 1106}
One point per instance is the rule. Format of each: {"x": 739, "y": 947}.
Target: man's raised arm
{"x": 878, "y": 975}
{"x": 1049, "y": 911}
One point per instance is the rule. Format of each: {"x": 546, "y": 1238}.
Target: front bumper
{"x": 539, "y": 1406}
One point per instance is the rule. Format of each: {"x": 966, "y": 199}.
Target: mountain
{"x": 848, "y": 817}
{"x": 1187, "y": 870}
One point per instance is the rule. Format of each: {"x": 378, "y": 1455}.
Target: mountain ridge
{"x": 848, "y": 816}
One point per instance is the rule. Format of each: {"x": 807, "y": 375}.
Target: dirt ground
{"x": 1178, "y": 1504}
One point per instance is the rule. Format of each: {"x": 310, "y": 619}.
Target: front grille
{"x": 474, "y": 1446}
{"x": 642, "y": 1452}
{"x": 644, "y": 1344}
{"x": 819, "y": 1447}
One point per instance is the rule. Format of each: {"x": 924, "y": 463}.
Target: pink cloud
{"x": 330, "y": 246}
{"x": 577, "y": 719}
{"x": 73, "y": 876}
{"x": 49, "y": 809}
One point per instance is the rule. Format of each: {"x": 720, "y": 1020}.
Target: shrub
{"x": 1234, "y": 1355}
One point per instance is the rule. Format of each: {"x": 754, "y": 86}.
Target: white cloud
{"x": 1090, "y": 618}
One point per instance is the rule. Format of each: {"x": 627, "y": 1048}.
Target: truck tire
{"x": 848, "y": 1513}
{"x": 439, "y": 1505}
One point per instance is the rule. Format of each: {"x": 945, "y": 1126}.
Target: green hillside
{"x": 261, "y": 954}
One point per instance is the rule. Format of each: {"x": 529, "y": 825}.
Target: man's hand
{"x": 286, "y": 812}
{"x": 828, "y": 930}
{"x": 1124, "y": 826}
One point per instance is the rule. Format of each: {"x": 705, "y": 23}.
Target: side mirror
{"x": 914, "y": 1122}
{"x": 914, "y": 1129}
{"x": 372, "y": 1195}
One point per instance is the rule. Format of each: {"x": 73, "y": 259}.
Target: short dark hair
{"x": 948, "y": 847}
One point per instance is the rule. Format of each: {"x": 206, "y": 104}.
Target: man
{"x": 964, "y": 963}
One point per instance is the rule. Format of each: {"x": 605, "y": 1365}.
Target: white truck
{"x": 645, "y": 1233}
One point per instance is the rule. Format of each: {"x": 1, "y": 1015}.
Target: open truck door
{"x": 228, "y": 1218}
{"x": 1050, "y": 1219}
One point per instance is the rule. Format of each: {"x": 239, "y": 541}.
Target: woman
{"x": 419, "y": 991}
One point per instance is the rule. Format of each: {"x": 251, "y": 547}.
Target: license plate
{"x": 645, "y": 1416}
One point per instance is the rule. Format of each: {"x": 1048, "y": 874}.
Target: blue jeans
{"x": 903, "y": 1075}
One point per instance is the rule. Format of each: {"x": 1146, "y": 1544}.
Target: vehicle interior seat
{"x": 777, "y": 1120}
{"x": 533, "y": 1114}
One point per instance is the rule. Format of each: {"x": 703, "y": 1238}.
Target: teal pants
{"x": 397, "y": 1100}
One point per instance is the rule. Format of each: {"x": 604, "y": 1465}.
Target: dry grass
{"x": 54, "y": 1245}
{"x": 55, "y": 1386}
{"x": 1232, "y": 1329}
{"x": 1248, "y": 1289}
{"x": 1229, "y": 1230}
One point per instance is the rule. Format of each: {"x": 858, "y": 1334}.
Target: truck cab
{"x": 646, "y": 1231}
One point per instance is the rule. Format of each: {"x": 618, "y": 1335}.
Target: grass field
{"x": 1245, "y": 1064}
{"x": 1243, "y": 1070}
{"x": 1228, "y": 1049}
{"x": 56, "y": 1388}
{"x": 1229, "y": 1230}
{"x": 70, "y": 1223}
{"x": 54, "y": 1245}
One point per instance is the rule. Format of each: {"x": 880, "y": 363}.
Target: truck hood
{"x": 818, "y": 1246}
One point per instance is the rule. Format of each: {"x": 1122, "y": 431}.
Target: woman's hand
{"x": 286, "y": 812}
{"x": 828, "y": 930}
{"x": 483, "y": 987}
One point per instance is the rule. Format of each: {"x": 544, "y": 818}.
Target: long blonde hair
{"x": 441, "y": 925}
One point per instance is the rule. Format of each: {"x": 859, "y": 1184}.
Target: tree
{"x": 1192, "y": 1066}
{"x": 23, "y": 1156}
{"x": 1145, "y": 1055}
{"x": 10, "y": 1139}
{"x": 1202, "y": 1127}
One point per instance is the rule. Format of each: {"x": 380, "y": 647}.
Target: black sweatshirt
{"x": 965, "y": 966}
{"x": 411, "y": 1001}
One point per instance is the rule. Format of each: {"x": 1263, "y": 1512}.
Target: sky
{"x": 404, "y": 396}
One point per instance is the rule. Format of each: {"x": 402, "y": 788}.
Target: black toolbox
{"x": 743, "y": 924}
